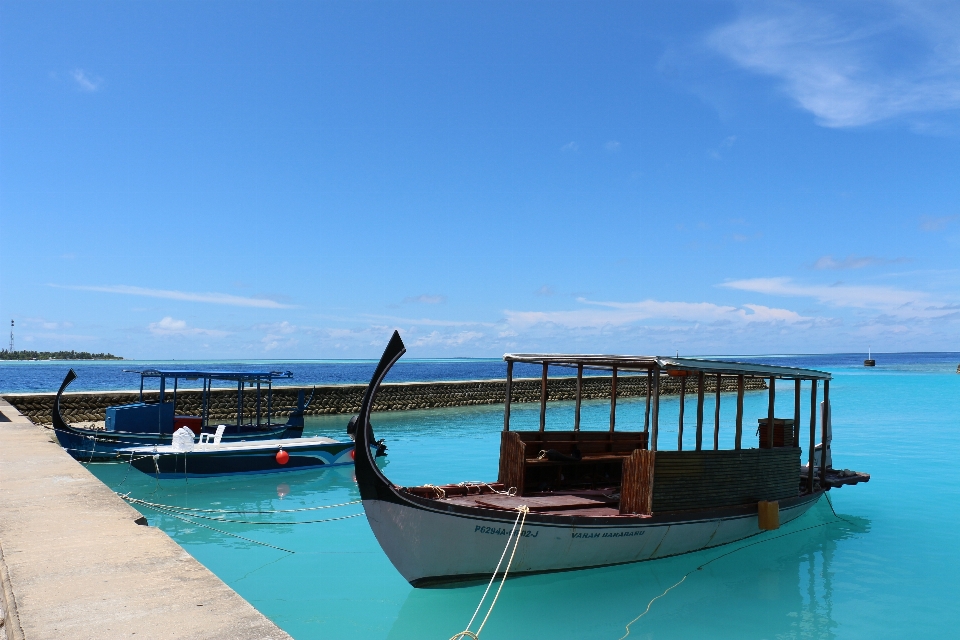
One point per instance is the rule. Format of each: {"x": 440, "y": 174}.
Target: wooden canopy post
{"x": 175, "y": 380}
{"x": 813, "y": 433}
{"x": 509, "y": 393}
{"x": 203, "y": 396}
{"x": 646, "y": 411}
{"x": 655, "y": 420}
{"x": 739, "y": 433}
{"x": 683, "y": 393}
{"x": 239, "y": 404}
{"x": 770, "y": 408}
{"x": 613, "y": 400}
{"x": 700, "y": 390}
{"x": 716, "y": 417}
{"x": 796, "y": 413}
{"x": 576, "y": 412}
{"x": 543, "y": 398}
{"x": 825, "y": 420}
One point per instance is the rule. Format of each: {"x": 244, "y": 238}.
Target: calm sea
{"x": 886, "y": 568}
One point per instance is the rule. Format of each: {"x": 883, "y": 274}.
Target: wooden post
{"x": 739, "y": 433}
{"x": 506, "y": 400}
{"x": 770, "y": 408}
{"x": 700, "y": 390}
{"x": 716, "y": 417}
{"x": 825, "y": 420}
{"x": 683, "y": 393}
{"x": 576, "y": 413}
{"x": 646, "y": 411}
{"x": 655, "y": 421}
{"x": 813, "y": 433}
{"x": 796, "y": 413}
{"x": 270, "y": 401}
{"x": 613, "y": 400}
{"x": 203, "y": 410}
{"x": 543, "y": 398}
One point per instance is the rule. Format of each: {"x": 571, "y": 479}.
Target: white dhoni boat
{"x": 593, "y": 499}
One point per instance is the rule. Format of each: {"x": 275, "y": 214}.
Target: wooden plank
{"x": 700, "y": 389}
{"x": 796, "y": 413}
{"x": 656, "y": 408}
{"x": 716, "y": 416}
{"x": 824, "y": 421}
{"x": 636, "y": 491}
{"x": 771, "y": 406}
{"x": 683, "y": 393}
{"x": 613, "y": 400}
{"x": 576, "y": 414}
{"x": 506, "y": 401}
{"x": 739, "y": 433}
{"x": 813, "y": 430}
{"x": 543, "y": 398}
{"x": 646, "y": 410}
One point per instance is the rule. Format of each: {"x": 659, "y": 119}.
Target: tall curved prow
{"x": 372, "y": 483}
{"x": 58, "y": 422}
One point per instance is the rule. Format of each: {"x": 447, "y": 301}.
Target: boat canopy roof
{"x": 236, "y": 376}
{"x": 671, "y": 365}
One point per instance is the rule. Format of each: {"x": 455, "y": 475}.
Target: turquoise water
{"x": 888, "y": 569}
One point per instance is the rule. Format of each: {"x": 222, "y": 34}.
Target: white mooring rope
{"x": 521, "y": 520}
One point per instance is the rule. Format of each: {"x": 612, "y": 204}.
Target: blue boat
{"x": 153, "y": 423}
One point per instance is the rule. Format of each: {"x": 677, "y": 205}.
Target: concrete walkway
{"x": 74, "y": 564}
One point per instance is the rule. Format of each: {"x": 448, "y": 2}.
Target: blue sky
{"x": 295, "y": 180}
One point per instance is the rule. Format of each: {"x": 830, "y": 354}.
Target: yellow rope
{"x": 521, "y": 520}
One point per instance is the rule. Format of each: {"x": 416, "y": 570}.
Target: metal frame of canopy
{"x": 655, "y": 366}
{"x": 240, "y": 377}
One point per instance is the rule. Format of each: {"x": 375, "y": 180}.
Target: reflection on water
{"x": 788, "y": 572}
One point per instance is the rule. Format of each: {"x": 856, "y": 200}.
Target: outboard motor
{"x": 295, "y": 420}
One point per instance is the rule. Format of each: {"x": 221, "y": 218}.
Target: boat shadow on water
{"x": 776, "y": 584}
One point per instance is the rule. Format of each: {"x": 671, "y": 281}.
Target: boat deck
{"x": 588, "y": 503}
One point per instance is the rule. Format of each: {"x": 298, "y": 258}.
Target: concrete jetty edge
{"x": 74, "y": 563}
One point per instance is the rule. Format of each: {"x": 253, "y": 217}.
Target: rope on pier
{"x": 723, "y": 555}
{"x": 227, "y": 533}
{"x": 162, "y": 509}
{"x": 125, "y": 496}
{"x": 521, "y": 519}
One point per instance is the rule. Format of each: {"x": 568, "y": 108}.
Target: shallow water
{"x": 886, "y": 569}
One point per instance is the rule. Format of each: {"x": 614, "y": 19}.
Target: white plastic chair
{"x": 213, "y": 438}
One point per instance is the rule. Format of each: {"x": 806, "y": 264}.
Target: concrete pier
{"x": 75, "y": 563}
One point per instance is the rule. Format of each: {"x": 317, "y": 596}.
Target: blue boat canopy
{"x": 236, "y": 376}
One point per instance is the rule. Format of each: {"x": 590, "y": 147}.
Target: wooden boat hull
{"x": 240, "y": 459}
{"x": 471, "y": 542}
{"x": 436, "y": 541}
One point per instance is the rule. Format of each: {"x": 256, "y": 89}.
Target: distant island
{"x": 55, "y": 355}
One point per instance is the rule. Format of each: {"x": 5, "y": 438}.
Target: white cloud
{"x": 425, "y": 299}
{"x": 187, "y": 296}
{"x": 890, "y": 300}
{"x": 600, "y": 315}
{"x": 852, "y": 63}
{"x": 570, "y": 147}
{"x": 612, "y": 146}
{"x": 85, "y": 81}
{"x": 930, "y": 223}
{"x": 853, "y": 262}
{"x": 171, "y": 327}
{"x": 435, "y": 338}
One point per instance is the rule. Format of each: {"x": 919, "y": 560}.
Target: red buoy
{"x": 282, "y": 456}
{"x": 353, "y": 454}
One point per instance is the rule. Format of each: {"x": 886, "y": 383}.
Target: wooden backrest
{"x": 513, "y": 459}
{"x": 588, "y": 442}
